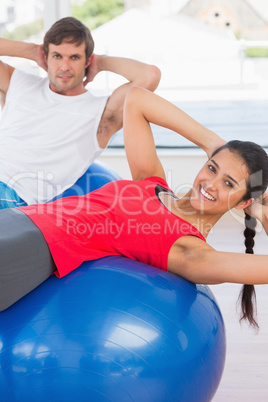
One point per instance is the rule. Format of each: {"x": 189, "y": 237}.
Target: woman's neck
{"x": 183, "y": 209}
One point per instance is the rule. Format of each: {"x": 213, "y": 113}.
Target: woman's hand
{"x": 213, "y": 146}
{"x": 259, "y": 209}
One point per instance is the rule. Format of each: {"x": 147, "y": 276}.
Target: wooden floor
{"x": 245, "y": 377}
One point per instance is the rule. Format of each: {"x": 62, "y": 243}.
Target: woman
{"x": 143, "y": 219}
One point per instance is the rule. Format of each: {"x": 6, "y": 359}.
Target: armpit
{"x": 108, "y": 126}
{"x": 2, "y": 99}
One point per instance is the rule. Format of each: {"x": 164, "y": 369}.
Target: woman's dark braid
{"x": 248, "y": 294}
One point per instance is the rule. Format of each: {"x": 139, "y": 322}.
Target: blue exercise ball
{"x": 95, "y": 177}
{"x": 113, "y": 330}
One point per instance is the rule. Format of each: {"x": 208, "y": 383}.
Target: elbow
{"x": 153, "y": 77}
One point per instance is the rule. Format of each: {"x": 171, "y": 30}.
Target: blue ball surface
{"x": 113, "y": 330}
{"x": 95, "y": 177}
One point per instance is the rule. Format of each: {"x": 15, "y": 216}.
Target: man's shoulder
{"x": 21, "y": 80}
{"x": 25, "y": 75}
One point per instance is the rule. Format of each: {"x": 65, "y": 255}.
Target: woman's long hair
{"x": 247, "y": 296}
{"x": 256, "y": 160}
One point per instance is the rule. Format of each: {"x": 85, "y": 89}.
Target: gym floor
{"x": 245, "y": 377}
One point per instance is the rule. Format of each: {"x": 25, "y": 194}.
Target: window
{"x": 10, "y": 14}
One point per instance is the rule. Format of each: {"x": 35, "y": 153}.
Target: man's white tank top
{"x": 47, "y": 140}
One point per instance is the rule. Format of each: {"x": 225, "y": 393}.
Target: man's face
{"x": 66, "y": 68}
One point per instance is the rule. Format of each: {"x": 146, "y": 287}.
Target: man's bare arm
{"x": 24, "y": 50}
{"x": 136, "y": 73}
{"x": 13, "y": 48}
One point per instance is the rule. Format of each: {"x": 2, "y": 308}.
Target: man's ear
{"x": 244, "y": 204}
{"x": 89, "y": 61}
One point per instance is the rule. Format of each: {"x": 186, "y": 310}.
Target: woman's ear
{"x": 244, "y": 204}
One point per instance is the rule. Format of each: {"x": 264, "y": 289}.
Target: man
{"x": 53, "y": 128}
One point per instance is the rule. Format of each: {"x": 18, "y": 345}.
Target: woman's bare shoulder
{"x": 185, "y": 253}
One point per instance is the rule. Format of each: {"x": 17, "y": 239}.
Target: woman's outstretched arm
{"x": 143, "y": 107}
{"x": 196, "y": 261}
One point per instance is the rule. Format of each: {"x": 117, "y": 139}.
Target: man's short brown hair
{"x": 69, "y": 30}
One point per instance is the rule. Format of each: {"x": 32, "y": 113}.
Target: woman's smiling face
{"x": 221, "y": 184}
